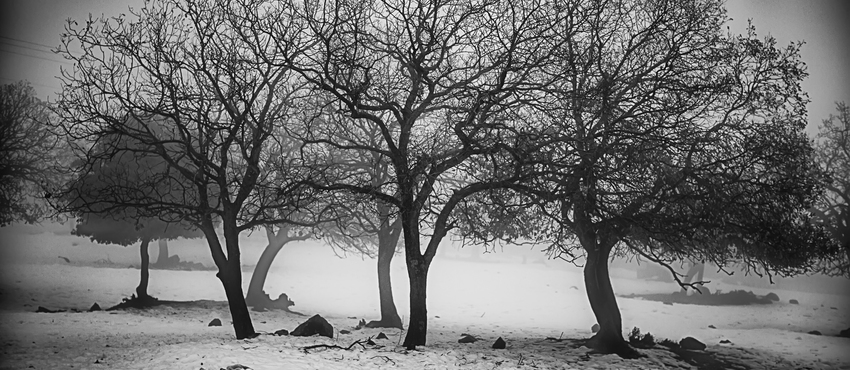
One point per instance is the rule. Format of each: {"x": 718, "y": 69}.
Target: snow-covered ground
{"x": 496, "y": 296}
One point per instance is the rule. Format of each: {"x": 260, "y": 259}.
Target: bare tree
{"x": 444, "y": 84}
{"x": 201, "y": 87}
{"x": 30, "y": 154}
{"x": 370, "y": 226}
{"x": 668, "y": 139}
{"x": 833, "y": 209}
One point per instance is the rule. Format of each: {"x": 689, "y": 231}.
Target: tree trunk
{"x": 417, "y": 328}
{"x": 230, "y": 271}
{"x": 256, "y": 296}
{"x": 609, "y": 339}
{"x": 142, "y": 289}
{"x": 389, "y": 314}
{"x": 231, "y": 278}
{"x": 162, "y": 258}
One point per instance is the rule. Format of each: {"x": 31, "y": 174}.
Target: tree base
{"x": 262, "y": 302}
{"x": 385, "y": 323}
{"x": 617, "y": 346}
{"x": 141, "y": 302}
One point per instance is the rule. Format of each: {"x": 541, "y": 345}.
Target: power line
{"x": 27, "y": 42}
{"x": 3, "y": 42}
{"x": 37, "y": 57}
{"x": 31, "y": 83}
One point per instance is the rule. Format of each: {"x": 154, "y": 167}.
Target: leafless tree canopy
{"x": 30, "y": 155}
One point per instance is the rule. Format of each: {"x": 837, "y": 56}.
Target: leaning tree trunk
{"x": 609, "y": 339}
{"x": 162, "y": 258}
{"x": 387, "y": 241}
{"x": 417, "y": 329}
{"x": 142, "y": 289}
{"x": 256, "y": 296}
{"x": 231, "y": 278}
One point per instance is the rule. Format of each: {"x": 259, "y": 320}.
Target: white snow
{"x": 496, "y": 297}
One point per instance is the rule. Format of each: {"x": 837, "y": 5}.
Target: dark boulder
{"x": 214, "y": 322}
{"x": 381, "y": 335}
{"x": 343, "y": 331}
{"x": 282, "y": 332}
{"x": 845, "y": 333}
{"x": 725, "y": 341}
{"x": 47, "y": 310}
{"x": 466, "y": 338}
{"x": 815, "y": 332}
{"x": 793, "y": 301}
{"x": 499, "y": 344}
{"x": 94, "y": 307}
{"x": 314, "y": 325}
{"x": 772, "y": 296}
{"x": 692, "y": 344}
{"x": 594, "y": 328}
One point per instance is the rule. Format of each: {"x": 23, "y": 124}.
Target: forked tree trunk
{"x": 417, "y": 329}
{"x": 256, "y": 296}
{"x": 609, "y": 338}
{"x": 142, "y": 289}
{"x": 162, "y": 258}
{"x": 230, "y": 272}
{"x": 387, "y": 241}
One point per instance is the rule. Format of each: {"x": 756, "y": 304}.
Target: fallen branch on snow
{"x": 360, "y": 342}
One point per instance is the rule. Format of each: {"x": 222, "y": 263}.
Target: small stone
{"x": 94, "y": 307}
{"x": 466, "y": 338}
{"x": 712, "y": 326}
{"x": 343, "y": 331}
{"x": 499, "y": 344}
{"x": 214, "y": 322}
{"x": 772, "y": 296}
{"x": 725, "y": 341}
{"x": 692, "y": 344}
{"x": 282, "y": 332}
{"x": 595, "y": 328}
{"x": 815, "y": 332}
{"x": 381, "y": 335}
{"x": 793, "y": 301}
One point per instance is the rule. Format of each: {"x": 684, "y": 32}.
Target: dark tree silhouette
{"x": 126, "y": 232}
{"x": 443, "y": 83}
{"x": 30, "y": 154}
{"x": 832, "y": 210}
{"x": 202, "y": 88}
{"x": 371, "y": 227}
{"x": 668, "y": 139}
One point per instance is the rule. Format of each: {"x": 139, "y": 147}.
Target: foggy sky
{"x": 35, "y": 25}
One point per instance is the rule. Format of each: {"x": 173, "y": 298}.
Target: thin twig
{"x": 386, "y": 359}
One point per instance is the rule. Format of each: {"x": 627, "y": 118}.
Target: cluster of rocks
{"x": 468, "y": 338}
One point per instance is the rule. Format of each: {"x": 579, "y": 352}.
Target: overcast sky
{"x": 31, "y": 27}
